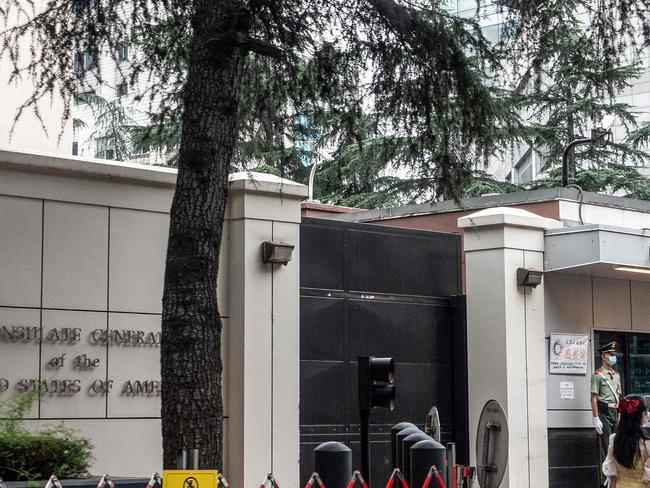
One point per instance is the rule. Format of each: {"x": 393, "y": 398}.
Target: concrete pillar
{"x": 505, "y": 337}
{"x": 261, "y": 331}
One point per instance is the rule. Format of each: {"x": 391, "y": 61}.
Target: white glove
{"x": 598, "y": 425}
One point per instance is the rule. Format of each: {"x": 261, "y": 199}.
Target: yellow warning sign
{"x": 191, "y": 478}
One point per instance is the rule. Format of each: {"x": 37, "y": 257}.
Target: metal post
{"x": 181, "y": 459}
{"x": 333, "y": 463}
{"x": 565, "y": 157}
{"x": 451, "y": 462}
{"x": 310, "y": 187}
{"x": 194, "y": 458}
{"x": 365, "y": 445}
{"x": 459, "y": 477}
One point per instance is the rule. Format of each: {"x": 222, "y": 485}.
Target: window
{"x": 75, "y": 148}
{"x": 103, "y": 149}
{"x": 633, "y": 359}
{"x": 122, "y": 52}
{"x": 524, "y": 169}
{"x": 122, "y": 89}
{"x": 492, "y": 33}
{"x": 81, "y": 5}
{"x": 83, "y": 62}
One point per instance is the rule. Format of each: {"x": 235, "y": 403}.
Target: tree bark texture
{"x": 192, "y": 410}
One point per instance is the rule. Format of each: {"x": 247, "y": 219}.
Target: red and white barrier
{"x": 155, "y": 481}
{"x": 269, "y": 481}
{"x": 397, "y": 475}
{"x": 105, "y": 481}
{"x": 222, "y": 482}
{"x": 315, "y": 480}
{"x": 434, "y": 474}
{"x": 53, "y": 482}
{"x": 356, "y": 477}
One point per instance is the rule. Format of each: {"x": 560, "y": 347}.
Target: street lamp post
{"x": 565, "y": 157}
{"x": 598, "y": 137}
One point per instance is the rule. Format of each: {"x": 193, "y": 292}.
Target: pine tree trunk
{"x": 192, "y": 410}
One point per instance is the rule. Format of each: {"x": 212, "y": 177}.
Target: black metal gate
{"x": 379, "y": 291}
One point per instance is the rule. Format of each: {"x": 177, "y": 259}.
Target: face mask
{"x": 612, "y": 360}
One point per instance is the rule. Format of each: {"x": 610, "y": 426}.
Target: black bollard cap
{"x": 428, "y": 445}
{"x": 332, "y": 446}
{"x": 401, "y": 426}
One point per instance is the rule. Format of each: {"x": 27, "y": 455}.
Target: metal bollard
{"x": 194, "y": 459}
{"x": 393, "y": 446}
{"x": 459, "y": 476}
{"x": 425, "y": 454}
{"x": 333, "y": 463}
{"x": 399, "y": 437}
{"x": 407, "y": 443}
{"x": 181, "y": 459}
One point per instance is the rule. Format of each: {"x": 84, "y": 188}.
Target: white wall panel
{"x": 75, "y": 256}
{"x": 138, "y": 241}
{"x": 20, "y": 251}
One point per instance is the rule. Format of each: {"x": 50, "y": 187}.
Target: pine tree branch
{"x": 405, "y": 21}
{"x": 235, "y": 39}
{"x": 262, "y": 48}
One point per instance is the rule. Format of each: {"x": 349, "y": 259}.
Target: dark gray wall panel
{"x": 573, "y": 458}
{"x": 321, "y": 257}
{"x": 322, "y": 332}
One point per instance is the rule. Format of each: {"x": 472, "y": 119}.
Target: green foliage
{"x": 572, "y": 72}
{"x": 112, "y": 124}
{"x": 614, "y": 178}
{"x": 482, "y": 184}
{"x": 26, "y": 455}
{"x": 639, "y": 138}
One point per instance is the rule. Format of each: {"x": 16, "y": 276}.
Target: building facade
{"x": 593, "y": 252}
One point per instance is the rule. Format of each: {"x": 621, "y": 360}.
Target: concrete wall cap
{"x": 52, "y": 163}
{"x": 59, "y": 164}
{"x": 507, "y": 216}
{"x": 251, "y": 181}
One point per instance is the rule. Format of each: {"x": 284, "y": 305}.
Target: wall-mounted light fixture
{"x": 529, "y": 277}
{"x": 276, "y": 252}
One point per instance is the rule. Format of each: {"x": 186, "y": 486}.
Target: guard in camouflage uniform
{"x": 605, "y": 393}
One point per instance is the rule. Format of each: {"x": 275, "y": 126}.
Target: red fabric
{"x": 628, "y": 406}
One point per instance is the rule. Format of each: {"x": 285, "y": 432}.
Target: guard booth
{"x": 374, "y": 290}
